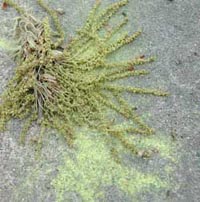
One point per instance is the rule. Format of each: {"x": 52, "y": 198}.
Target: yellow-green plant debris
{"x": 93, "y": 169}
{"x": 65, "y": 86}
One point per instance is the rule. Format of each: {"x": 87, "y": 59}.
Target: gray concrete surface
{"x": 171, "y": 31}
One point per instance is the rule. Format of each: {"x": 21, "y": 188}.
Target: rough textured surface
{"x": 171, "y": 32}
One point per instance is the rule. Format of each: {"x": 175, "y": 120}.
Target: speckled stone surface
{"x": 171, "y": 32}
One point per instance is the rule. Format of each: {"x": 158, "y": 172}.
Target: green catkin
{"x": 20, "y": 10}
{"x": 120, "y": 75}
{"x": 134, "y": 90}
{"x": 26, "y": 127}
{"x": 66, "y": 89}
{"x": 56, "y": 22}
{"x": 115, "y": 29}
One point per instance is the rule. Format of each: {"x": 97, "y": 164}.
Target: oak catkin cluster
{"x": 74, "y": 86}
